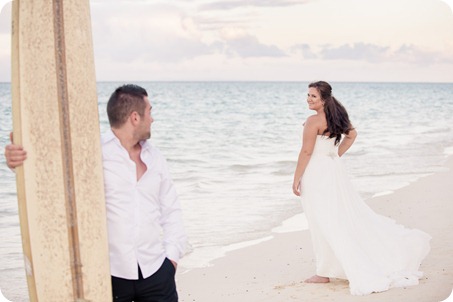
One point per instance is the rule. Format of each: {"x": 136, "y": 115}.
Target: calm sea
{"x": 232, "y": 149}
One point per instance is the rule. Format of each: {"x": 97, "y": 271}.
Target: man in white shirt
{"x": 146, "y": 233}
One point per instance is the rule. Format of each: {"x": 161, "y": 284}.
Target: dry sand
{"x": 274, "y": 270}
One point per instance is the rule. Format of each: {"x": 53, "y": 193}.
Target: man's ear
{"x": 134, "y": 117}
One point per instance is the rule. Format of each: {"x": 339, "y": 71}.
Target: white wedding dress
{"x": 351, "y": 241}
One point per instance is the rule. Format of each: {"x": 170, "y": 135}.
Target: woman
{"x": 350, "y": 241}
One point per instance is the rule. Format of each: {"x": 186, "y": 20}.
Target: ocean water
{"x": 232, "y": 148}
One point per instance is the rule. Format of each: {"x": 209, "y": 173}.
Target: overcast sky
{"x": 270, "y": 40}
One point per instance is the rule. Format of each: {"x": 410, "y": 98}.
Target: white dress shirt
{"x": 144, "y": 217}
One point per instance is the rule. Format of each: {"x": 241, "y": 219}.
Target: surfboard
{"x": 60, "y": 187}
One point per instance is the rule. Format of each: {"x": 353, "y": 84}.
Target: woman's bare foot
{"x": 317, "y": 279}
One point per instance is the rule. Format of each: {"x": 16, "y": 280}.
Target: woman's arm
{"x": 347, "y": 142}
{"x": 308, "y": 144}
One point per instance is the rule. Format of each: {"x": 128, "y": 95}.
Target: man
{"x": 146, "y": 234}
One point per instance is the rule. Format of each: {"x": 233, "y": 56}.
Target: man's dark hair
{"x": 123, "y": 101}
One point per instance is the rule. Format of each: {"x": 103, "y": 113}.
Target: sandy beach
{"x": 274, "y": 270}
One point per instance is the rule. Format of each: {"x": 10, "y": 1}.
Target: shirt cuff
{"x": 172, "y": 253}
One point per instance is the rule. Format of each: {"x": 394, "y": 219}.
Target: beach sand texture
{"x": 274, "y": 270}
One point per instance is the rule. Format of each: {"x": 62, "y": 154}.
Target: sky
{"x": 266, "y": 40}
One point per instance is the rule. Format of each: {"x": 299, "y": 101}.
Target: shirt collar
{"x": 145, "y": 145}
{"x": 110, "y": 136}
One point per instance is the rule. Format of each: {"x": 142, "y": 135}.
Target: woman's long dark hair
{"x": 337, "y": 117}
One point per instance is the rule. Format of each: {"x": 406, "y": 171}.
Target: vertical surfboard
{"x": 60, "y": 187}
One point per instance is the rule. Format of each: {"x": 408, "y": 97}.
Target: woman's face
{"x": 314, "y": 99}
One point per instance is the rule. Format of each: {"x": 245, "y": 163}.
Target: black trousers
{"x": 159, "y": 287}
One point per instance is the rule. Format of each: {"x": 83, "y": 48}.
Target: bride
{"x": 350, "y": 241}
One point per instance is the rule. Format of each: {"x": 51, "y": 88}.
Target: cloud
{"x": 356, "y": 51}
{"x": 239, "y": 43}
{"x": 228, "y": 5}
{"x": 372, "y": 53}
{"x": 159, "y": 33}
{"x": 215, "y": 23}
{"x": 412, "y": 54}
{"x": 305, "y": 50}
{"x": 128, "y": 33}
{"x": 217, "y": 39}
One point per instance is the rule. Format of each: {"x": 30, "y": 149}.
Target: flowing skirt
{"x": 350, "y": 240}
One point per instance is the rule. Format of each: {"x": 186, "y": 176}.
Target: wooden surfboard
{"x": 60, "y": 187}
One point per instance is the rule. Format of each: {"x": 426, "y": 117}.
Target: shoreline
{"x": 274, "y": 269}
{"x": 192, "y": 261}
{"x": 203, "y": 257}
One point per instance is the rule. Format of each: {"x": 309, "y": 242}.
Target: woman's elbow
{"x": 307, "y": 153}
{"x": 352, "y": 134}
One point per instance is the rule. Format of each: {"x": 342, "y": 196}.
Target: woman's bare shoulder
{"x": 312, "y": 124}
{"x": 314, "y": 120}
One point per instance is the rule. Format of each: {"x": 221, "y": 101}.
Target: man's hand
{"x": 175, "y": 264}
{"x": 14, "y": 154}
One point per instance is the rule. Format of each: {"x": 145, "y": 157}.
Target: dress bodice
{"x": 325, "y": 146}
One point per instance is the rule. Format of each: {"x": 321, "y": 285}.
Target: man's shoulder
{"x": 107, "y": 137}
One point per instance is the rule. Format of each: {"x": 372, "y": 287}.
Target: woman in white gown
{"x": 350, "y": 241}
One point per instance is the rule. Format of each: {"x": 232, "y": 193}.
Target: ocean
{"x": 232, "y": 148}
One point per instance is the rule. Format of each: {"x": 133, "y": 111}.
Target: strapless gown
{"x": 350, "y": 240}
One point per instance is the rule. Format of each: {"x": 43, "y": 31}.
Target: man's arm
{"x": 175, "y": 239}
